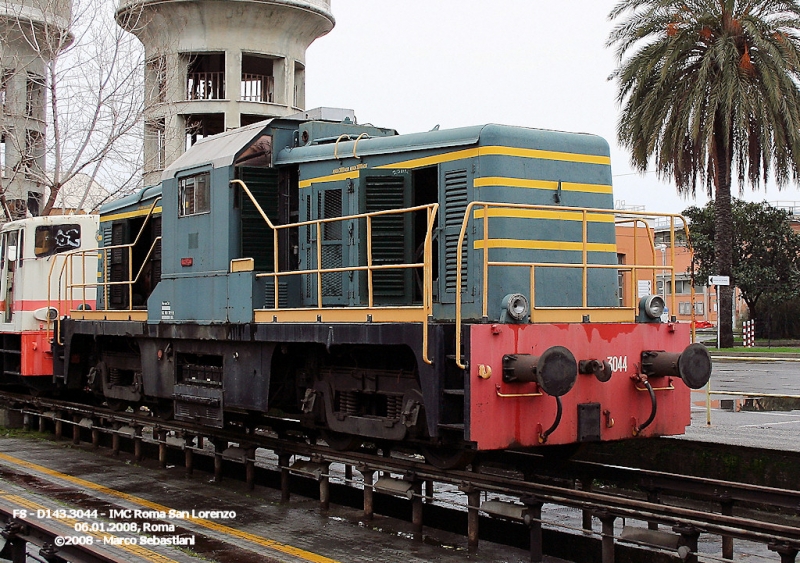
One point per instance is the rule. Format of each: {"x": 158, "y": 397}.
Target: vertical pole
{"x": 42, "y": 424}
{"x": 727, "y": 541}
{"x": 325, "y": 490}
{"x": 26, "y": 422}
{"x": 608, "y": 536}
{"x": 19, "y": 550}
{"x": 689, "y": 535}
{"x": 653, "y": 496}
{"x": 250, "y": 468}
{"x": 429, "y": 491}
{"x": 473, "y": 517}
{"x": 369, "y": 506}
{"x": 786, "y": 552}
{"x": 95, "y": 437}
{"x": 137, "y": 444}
{"x": 76, "y": 430}
{"x": 716, "y": 290}
{"x": 59, "y": 425}
{"x": 162, "y": 448}
{"x": 586, "y": 515}
{"x": 188, "y": 454}
{"x": 283, "y": 462}
{"x": 219, "y": 447}
{"x": 115, "y": 442}
{"x": 416, "y": 510}
{"x": 534, "y": 520}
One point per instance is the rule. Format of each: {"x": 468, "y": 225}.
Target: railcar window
{"x": 194, "y": 195}
{"x": 52, "y": 239}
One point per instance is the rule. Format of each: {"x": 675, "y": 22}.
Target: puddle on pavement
{"x": 760, "y": 404}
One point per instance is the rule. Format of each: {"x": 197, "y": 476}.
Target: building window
{"x": 4, "y": 82}
{"x": 155, "y": 138}
{"x": 34, "y": 149}
{"x": 157, "y": 75}
{"x": 299, "y": 85}
{"x": 3, "y": 148}
{"x": 205, "y": 77}
{"x": 194, "y": 195}
{"x": 258, "y": 84}
{"x": 34, "y": 98}
{"x": 699, "y": 308}
{"x": 199, "y": 127}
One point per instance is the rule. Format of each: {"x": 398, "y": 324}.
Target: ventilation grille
{"x": 389, "y": 234}
{"x": 269, "y": 295}
{"x": 117, "y": 268}
{"x": 257, "y": 238}
{"x": 455, "y": 185}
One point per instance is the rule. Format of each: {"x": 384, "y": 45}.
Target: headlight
{"x": 514, "y": 308}
{"x": 652, "y": 306}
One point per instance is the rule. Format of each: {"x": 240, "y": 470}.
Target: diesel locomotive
{"x": 453, "y": 291}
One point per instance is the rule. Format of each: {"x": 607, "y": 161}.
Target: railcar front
{"x": 36, "y": 262}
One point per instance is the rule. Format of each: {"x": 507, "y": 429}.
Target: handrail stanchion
{"x": 485, "y": 308}
{"x": 370, "y": 296}
{"x": 319, "y": 265}
{"x": 585, "y": 257}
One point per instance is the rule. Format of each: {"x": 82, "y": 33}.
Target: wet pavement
{"x": 757, "y": 419}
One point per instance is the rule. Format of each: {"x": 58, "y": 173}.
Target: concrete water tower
{"x": 214, "y": 65}
{"x": 31, "y": 33}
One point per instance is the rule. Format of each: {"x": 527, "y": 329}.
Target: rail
{"x": 66, "y": 277}
{"x": 420, "y": 313}
{"x": 717, "y": 518}
{"x": 485, "y": 210}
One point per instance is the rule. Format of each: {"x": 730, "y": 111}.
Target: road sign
{"x": 719, "y": 280}
{"x": 645, "y": 288}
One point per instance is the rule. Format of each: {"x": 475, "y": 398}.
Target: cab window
{"x": 194, "y": 195}
{"x": 52, "y": 239}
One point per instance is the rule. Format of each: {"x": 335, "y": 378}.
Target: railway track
{"x": 526, "y": 482}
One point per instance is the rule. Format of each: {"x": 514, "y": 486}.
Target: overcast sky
{"x": 413, "y": 64}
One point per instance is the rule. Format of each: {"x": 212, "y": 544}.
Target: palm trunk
{"x": 723, "y": 226}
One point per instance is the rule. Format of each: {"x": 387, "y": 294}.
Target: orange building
{"x": 663, "y": 267}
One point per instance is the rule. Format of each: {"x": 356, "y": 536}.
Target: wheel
{"x": 341, "y": 442}
{"x": 443, "y": 457}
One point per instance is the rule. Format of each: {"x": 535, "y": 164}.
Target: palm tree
{"x": 709, "y": 87}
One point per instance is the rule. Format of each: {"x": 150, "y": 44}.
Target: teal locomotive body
{"x": 356, "y": 281}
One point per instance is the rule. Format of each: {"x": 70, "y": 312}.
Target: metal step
{"x": 453, "y": 392}
{"x": 452, "y": 427}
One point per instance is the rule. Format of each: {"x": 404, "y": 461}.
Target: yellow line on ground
{"x": 140, "y": 552}
{"x": 258, "y": 540}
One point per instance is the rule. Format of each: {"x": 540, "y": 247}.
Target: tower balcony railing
{"x": 257, "y": 88}
{"x": 205, "y": 86}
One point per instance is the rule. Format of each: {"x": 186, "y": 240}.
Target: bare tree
{"x": 88, "y": 77}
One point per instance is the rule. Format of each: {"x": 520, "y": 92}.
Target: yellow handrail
{"x": 318, "y": 271}
{"x": 66, "y": 272}
{"x": 584, "y": 264}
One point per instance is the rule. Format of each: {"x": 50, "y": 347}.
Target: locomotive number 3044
{"x": 618, "y": 363}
